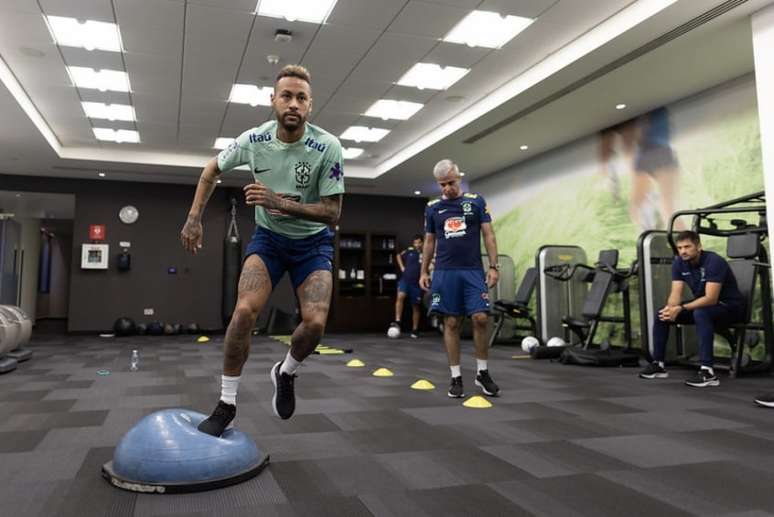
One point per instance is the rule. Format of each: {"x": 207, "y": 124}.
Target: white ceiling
{"x": 183, "y": 56}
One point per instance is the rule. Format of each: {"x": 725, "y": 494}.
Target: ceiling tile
{"x": 154, "y": 74}
{"x": 202, "y": 112}
{"x": 337, "y": 50}
{"x": 160, "y": 34}
{"x": 238, "y": 5}
{"x": 155, "y": 109}
{"x": 369, "y": 15}
{"x": 100, "y": 10}
{"x": 95, "y": 59}
{"x": 392, "y": 56}
{"x": 241, "y": 117}
{"x": 335, "y": 123}
{"x": 525, "y": 8}
{"x": 452, "y": 54}
{"x": 427, "y": 19}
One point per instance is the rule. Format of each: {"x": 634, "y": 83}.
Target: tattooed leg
{"x": 314, "y": 295}
{"x": 254, "y": 290}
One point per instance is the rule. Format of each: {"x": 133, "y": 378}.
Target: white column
{"x": 763, "y": 49}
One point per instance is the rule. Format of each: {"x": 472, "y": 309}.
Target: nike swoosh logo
{"x": 258, "y": 171}
{"x": 442, "y": 211}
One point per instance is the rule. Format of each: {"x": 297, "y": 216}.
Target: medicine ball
{"x": 155, "y": 328}
{"x": 141, "y": 329}
{"x": 123, "y": 327}
{"x": 192, "y": 328}
{"x": 177, "y": 328}
{"x": 168, "y": 329}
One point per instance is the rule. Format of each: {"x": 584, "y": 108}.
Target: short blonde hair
{"x": 294, "y": 71}
{"x": 444, "y": 167}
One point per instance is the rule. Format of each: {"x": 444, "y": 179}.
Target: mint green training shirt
{"x": 304, "y": 171}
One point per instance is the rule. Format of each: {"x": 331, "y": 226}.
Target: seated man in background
{"x": 409, "y": 262}
{"x": 717, "y": 303}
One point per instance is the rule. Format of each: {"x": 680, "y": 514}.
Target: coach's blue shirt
{"x": 711, "y": 268}
{"x": 412, "y": 262}
{"x": 456, "y": 224}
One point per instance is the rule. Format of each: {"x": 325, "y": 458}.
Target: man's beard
{"x": 293, "y": 124}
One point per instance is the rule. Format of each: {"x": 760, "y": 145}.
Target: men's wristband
{"x": 496, "y": 267}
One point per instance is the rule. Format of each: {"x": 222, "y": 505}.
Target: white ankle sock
{"x": 455, "y": 370}
{"x": 709, "y": 369}
{"x": 228, "y": 389}
{"x": 289, "y": 365}
{"x": 480, "y": 364}
{"x": 660, "y": 364}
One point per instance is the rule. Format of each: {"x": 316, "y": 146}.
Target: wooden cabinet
{"x": 365, "y": 282}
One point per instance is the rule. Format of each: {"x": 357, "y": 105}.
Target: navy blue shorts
{"x": 412, "y": 290}
{"x": 299, "y": 257}
{"x": 458, "y": 292}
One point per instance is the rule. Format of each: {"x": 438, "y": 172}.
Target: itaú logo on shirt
{"x": 454, "y": 227}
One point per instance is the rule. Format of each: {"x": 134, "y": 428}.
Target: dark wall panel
{"x": 97, "y": 298}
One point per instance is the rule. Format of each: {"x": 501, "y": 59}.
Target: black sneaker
{"x": 485, "y": 382}
{"x": 219, "y": 420}
{"x": 284, "y": 399}
{"x": 703, "y": 379}
{"x": 414, "y": 334}
{"x": 654, "y": 371}
{"x": 765, "y": 400}
{"x": 455, "y": 388}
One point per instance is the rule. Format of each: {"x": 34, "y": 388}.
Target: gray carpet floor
{"x": 560, "y": 440}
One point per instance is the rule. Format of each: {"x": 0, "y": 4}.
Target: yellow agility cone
{"x": 422, "y": 384}
{"x": 383, "y": 372}
{"x": 202, "y": 339}
{"x": 330, "y": 351}
{"x": 477, "y": 402}
{"x": 355, "y": 363}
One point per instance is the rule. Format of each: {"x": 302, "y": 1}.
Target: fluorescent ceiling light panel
{"x": 119, "y": 136}
{"x": 431, "y": 76}
{"x": 103, "y": 80}
{"x": 108, "y": 111}
{"x": 251, "y": 94}
{"x": 390, "y": 109}
{"x": 91, "y": 35}
{"x": 313, "y": 11}
{"x": 364, "y": 134}
{"x": 606, "y": 31}
{"x": 223, "y": 142}
{"x": 487, "y": 29}
{"x": 350, "y": 153}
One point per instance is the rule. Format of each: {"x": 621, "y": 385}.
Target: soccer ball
{"x": 393, "y": 332}
{"x": 528, "y": 343}
{"x": 556, "y": 341}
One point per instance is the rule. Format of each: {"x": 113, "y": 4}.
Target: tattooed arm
{"x": 191, "y": 234}
{"x": 327, "y": 210}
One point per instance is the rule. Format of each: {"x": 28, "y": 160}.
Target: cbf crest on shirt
{"x": 304, "y": 171}
{"x": 456, "y": 224}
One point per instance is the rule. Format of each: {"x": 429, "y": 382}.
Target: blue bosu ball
{"x": 166, "y": 453}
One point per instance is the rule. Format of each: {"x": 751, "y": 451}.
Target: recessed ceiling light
{"x": 620, "y": 106}
{"x": 119, "y": 136}
{"x": 462, "y": 173}
{"x": 350, "y": 153}
{"x": 101, "y": 174}
{"x": 91, "y": 35}
{"x": 417, "y": 192}
{"x": 524, "y": 147}
{"x": 102, "y": 80}
{"x": 251, "y": 94}
{"x": 390, "y": 109}
{"x": 487, "y": 29}
{"x": 218, "y": 181}
{"x": 432, "y": 76}
{"x": 364, "y": 134}
{"x": 313, "y": 11}
{"x": 101, "y": 110}
{"x": 222, "y": 142}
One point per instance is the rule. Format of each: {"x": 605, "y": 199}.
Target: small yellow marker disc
{"x": 202, "y": 339}
{"x": 477, "y": 402}
{"x": 355, "y": 363}
{"x": 383, "y": 372}
{"x": 422, "y": 384}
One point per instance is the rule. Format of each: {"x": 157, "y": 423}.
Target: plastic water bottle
{"x": 135, "y": 361}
